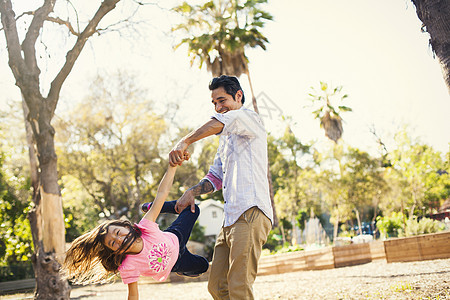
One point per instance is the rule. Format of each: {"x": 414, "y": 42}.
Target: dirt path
{"x": 376, "y": 280}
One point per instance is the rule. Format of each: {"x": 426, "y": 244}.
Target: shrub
{"x": 274, "y": 240}
{"x": 390, "y": 226}
{"x": 422, "y": 226}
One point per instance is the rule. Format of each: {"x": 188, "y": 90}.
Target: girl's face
{"x": 115, "y": 236}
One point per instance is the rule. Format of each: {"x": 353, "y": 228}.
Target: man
{"x": 240, "y": 170}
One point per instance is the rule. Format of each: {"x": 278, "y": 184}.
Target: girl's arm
{"x": 133, "y": 291}
{"x": 161, "y": 195}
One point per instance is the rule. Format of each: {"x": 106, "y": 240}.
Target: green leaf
{"x": 344, "y": 108}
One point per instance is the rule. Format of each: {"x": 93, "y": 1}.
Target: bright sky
{"x": 374, "y": 49}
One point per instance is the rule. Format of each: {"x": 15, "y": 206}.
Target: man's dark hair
{"x": 229, "y": 83}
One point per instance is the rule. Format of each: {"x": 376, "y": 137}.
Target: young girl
{"x": 134, "y": 250}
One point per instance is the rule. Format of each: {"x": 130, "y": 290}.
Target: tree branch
{"x": 28, "y": 45}
{"x": 16, "y": 62}
{"x": 20, "y": 70}
{"x": 72, "y": 55}
{"x": 62, "y": 22}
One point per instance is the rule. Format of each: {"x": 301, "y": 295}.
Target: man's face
{"x": 224, "y": 102}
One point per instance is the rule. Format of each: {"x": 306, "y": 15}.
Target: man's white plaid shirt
{"x": 240, "y": 165}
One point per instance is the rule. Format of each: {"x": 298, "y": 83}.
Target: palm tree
{"x": 331, "y": 122}
{"x": 434, "y": 15}
{"x": 328, "y": 114}
{"x": 219, "y": 31}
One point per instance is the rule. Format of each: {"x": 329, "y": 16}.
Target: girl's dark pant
{"x": 182, "y": 227}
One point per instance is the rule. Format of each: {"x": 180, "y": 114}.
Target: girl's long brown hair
{"x": 88, "y": 260}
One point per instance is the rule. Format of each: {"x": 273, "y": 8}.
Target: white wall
{"x": 211, "y": 216}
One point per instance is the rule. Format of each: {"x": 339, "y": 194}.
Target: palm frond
{"x": 344, "y": 108}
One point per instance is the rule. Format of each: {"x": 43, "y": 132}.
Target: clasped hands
{"x": 177, "y": 155}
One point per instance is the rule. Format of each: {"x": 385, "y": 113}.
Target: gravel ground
{"x": 375, "y": 280}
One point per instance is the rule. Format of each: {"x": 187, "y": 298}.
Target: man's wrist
{"x": 203, "y": 187}
{"x": 191, "y": 192}
{"x": 186, "y": 142}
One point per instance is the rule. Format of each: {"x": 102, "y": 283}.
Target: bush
{"x": 16, "y": 271}
{"x": 390, "y": 226}
{"x": 274, "y": 240}
{"x": 422, "y": 226}
{"x": 198, "y": 233}
{"x": 288, "y": 248}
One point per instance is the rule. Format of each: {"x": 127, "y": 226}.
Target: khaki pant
{"x": 236, "y": 254}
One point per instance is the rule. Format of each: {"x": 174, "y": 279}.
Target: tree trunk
{"x": 255, "y": 104}
{"x": 45, "y": 216}
{"x": 294, "y": 240}
{"x": 358, "y": 219}
{"x": 336, "y": 226}
{"x": 435, "y": 16}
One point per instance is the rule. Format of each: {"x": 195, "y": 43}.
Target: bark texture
{"x": 435, "y": 17}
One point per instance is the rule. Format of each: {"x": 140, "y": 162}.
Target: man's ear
{"x": 238, "y": 96}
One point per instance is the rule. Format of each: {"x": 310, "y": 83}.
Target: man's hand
{"x": 209, "y": 128}
{"x": 188, "y": 198}
{"x": 178, "y": 154}
{"x": 184, "y": 201}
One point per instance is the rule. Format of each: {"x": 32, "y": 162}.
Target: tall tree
{"x": 218, "y": 32}
{"x": 363, "y": 179}
{"x": 294, "y": 192}
{"x": 46, "y": 217}
{"x": 435, "y": 16}
{"x": 421, "y": 173}
{"x": 328, "y": 112}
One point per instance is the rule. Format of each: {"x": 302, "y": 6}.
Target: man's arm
{"x": 188, "y": 198}
{"x": 209, "y": 128}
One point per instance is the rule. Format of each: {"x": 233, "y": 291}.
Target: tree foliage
{"x": 218, "y": 31}
{"x": 328, "y": 109}
{"x": 15, "y": 233}
{"x": 421, "y": 174}
{"x": 111, "y": 145}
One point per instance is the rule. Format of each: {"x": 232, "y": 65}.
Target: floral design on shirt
{"x": 159, "y": 257}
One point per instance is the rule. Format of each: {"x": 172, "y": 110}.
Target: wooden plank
{"x": 17, "y": 285}
{"x": 423, "y": 247}
{"x": 350, "y": 255}
{"x": 377, "y": 250}
{"x": 296, "y": 261}
{"x": 432, "y": 246}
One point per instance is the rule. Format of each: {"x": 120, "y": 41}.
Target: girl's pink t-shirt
{"x": 157, "y": 258}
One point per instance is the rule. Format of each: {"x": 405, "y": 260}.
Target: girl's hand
{"x": 186, "y": 156}
{"x": 178, "y": 153}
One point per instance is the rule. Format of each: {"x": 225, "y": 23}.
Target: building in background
{"x": 211, "y": 217}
